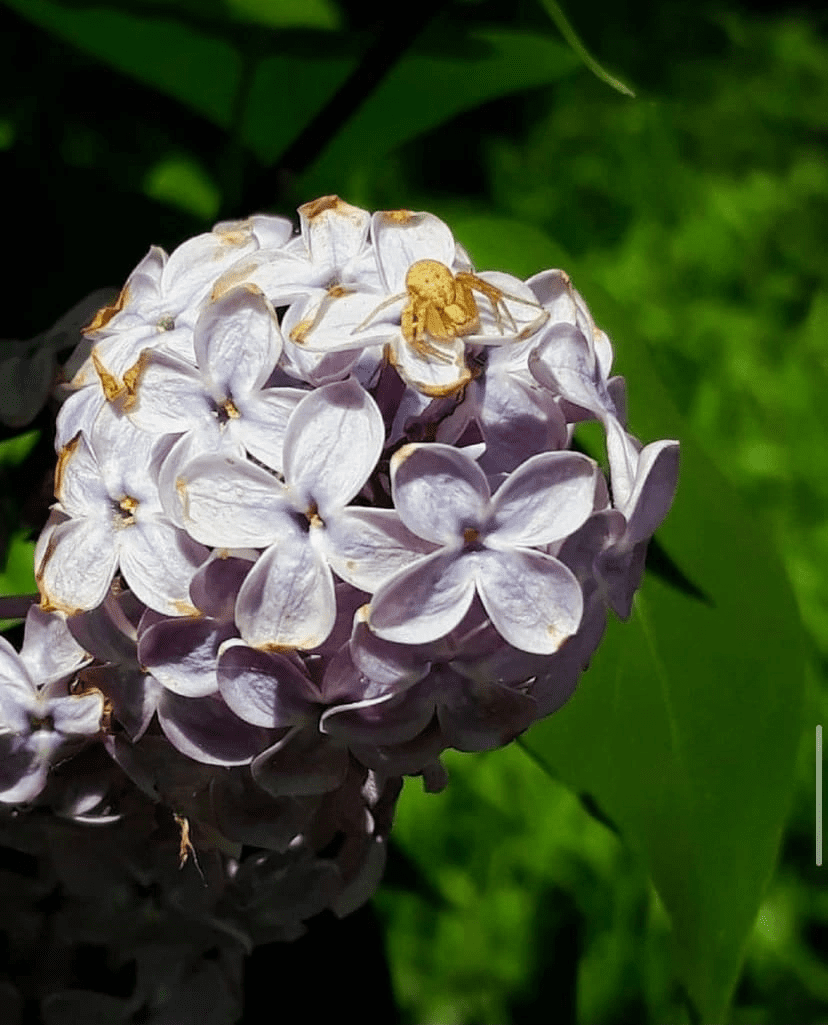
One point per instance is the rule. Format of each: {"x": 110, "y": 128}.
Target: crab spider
{"x": 441, "y": 304}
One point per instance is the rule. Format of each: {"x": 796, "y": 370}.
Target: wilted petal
{"x": 78, "y": 484}
{"x": 278, "y": 274}
{"x": 547, "y": 498}
{"x": 424, "y": 602}
{"x": 78, "y": 565}
{"x": 533, "y": 600}
{"x": 337, "y": 320}
{"x": 287, "y": 599}
{"x": 438, "y": 491}
{"x": 333, "y": 441}
{"x": 78, "y": 413}
{"x": 334, "y": 230}
{"x": 402, "y": 238}
{"x": 197, "y": 263}
{"x": 170, "y": 397}
{"x": 437, "y": 371}
{"x": 267, "y": 229}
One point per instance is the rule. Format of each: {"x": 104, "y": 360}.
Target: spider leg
{"x": 497, "y": 298}
{"x": 301, "y": 330}
{"x": 383, "y": 305}
{"x": 536, "y": 324}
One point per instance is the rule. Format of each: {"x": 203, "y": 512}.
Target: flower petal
{"x": 335, "y": 231}
{"x": 78, "y": 565}
{"x": 263, "y": 422}
{"x": 367, "y": 546}
{"x": 425, "y": 601}
{"x": 78, "y": 484}
{"x": 402, "y": 238}
{"x": 181, "y": 654}
{"x": 533, "y": 600}
{"x": 438, "y": 491}
{"x": 49, "y": 651}
{"x": 302, "y": 763}
{"x": 547, "y": 498}
{"x": 332, "y": 443}
{"x": 237, "y": 342}
{"x": 206, "y": 730}
{"x": 263, "y": 688}
{"x": 437, "y": 371}
{"x": 158, "y": 561}
{"x": 287, "y": 600}
{"x": 170, "y": 396}
{"x": 231, "y": 503}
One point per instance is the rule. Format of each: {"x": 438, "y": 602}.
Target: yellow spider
{"x": 441, "y": 306}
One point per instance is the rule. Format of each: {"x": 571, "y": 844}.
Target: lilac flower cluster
{"x": 318, "y": 518}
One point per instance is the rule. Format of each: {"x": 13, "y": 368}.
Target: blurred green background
{"x": 698, "y": 210}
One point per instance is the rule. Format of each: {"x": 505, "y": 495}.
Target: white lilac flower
{"x": 332, "y": 443}
{"x": 489, "y": 546}
{"x": 328, "y": 260}
{"x": 41, "y": 718}
{"x": 109, "y": 517}
{"x": 161, "y": 300}
{"x": 430, "y": 306}
{"x": 317, "y": 520}
{"x": 220, "y": 404}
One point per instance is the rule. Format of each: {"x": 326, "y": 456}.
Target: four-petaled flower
{"x": 488, "y": 545}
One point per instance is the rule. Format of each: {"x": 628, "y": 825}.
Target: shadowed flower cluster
{"x": 318, "y": 518}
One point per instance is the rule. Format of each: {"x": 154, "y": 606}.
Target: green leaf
{"x": 201, "y": 71}
{"x": 200, "y": 67}
{"x": 687, "y": 725}
{"x": 426, "y": 89}
{"x": 685, "y": 728}
{"x": 322, "y": 14}
{"x": 273, "y": 13}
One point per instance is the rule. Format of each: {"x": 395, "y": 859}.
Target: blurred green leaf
{"x": 200, "y": 71}
{"x": 14, "y": 450}
{"x": 427, "y": 89}
{"x": 181, "y": 181}
{"x": 509, "y": 849}
{"x": 273, "y": 13}
{"x": 17, "y": 576}
{"x": 284, "y": 13}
